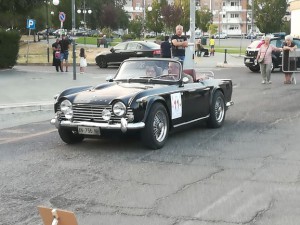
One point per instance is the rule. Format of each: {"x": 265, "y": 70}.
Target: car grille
{"x": 251, "y": 53}
{"x": 93, "y": 113}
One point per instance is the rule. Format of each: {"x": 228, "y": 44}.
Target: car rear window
{"x": 153, "y": 45}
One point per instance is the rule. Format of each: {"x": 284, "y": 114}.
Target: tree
{"x": 203, "y": 19}
{"x": 268, "y": 14}
{"x": 184, "y": 16}
{"x": 154, "y": 18}
{"x": 136, "y": 27}
{"x": 171, "y": 15}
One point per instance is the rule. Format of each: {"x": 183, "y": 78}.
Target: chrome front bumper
{"x": 123, "y": 126}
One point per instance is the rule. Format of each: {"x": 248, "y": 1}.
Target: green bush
{"x": 9, "y": 45}
{"x": 127, "y": 37}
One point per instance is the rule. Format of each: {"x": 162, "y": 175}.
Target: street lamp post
{"x": 144, "y": 17}
{"x": 84, "y": 10}
{"x": 55, "y": 2}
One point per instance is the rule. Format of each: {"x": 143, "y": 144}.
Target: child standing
{"x": 83, "y": 62}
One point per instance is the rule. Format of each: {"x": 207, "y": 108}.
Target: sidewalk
{"x": 218, "y": 60}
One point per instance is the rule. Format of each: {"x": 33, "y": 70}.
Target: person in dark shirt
{"x": 165, "y": 48}
{"x": 64, "y": 55}
{"x": 179, "y": 43}
{"x": 56, "y": 55}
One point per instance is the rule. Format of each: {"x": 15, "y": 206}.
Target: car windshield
{"x": 163, "y": 70}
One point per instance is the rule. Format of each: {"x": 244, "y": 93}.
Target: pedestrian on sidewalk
{"x": 289, "y": 64}
{"x": 179, "y": 43}
{"x": 56, "y": 55}
{"x": 264, "y": 58}
{"x": 212, "y": 45}
{"x": 82, "y": 63}
{"x": 165, "y": 48}
{"x": 64, "y": 54}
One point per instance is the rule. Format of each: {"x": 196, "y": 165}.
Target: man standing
{"x": 64, "y": 55}
{"x": 179, "y": 43}
{"x": 165, "y": 48}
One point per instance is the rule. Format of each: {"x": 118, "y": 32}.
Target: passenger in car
{"x": 150, "y": 71}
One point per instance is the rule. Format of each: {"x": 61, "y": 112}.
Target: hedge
{"x": 9, "y": 45}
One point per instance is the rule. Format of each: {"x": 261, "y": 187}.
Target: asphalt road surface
{"x": 246, "y": 172}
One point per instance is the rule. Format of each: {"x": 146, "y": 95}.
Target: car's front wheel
{"x": 255, "y": 68}
{"x": 102, "y": 63}
{"x": 69, "y": 136}
{"x": 156, "y": 130}
{"x": 217, "y": 110}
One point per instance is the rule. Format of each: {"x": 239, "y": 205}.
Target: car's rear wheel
{"x": 69, "y": 136}
{"x": 217, "y": 110}
{"x": 102, "y": 63}
{"x": 156, "y": 130}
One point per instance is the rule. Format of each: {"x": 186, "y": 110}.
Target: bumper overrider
{"x": 123, "y": 125}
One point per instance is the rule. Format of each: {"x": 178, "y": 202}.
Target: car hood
{"x": 105, "y": 94}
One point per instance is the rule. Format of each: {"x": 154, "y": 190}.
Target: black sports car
{"x": 152, "y": 96}
{"x": 126, "y": 50}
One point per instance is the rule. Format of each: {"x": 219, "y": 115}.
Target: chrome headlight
{"x": 119, "y": 109}
{"x": 66, "y": 108}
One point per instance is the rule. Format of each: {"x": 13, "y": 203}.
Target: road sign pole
{"x": 73, "y": 41}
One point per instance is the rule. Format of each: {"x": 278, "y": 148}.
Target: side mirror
{"x": 109, "y": 79}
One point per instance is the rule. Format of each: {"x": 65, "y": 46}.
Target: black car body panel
{"x": 253, "y": 48}
{"x": 98, "y": 107}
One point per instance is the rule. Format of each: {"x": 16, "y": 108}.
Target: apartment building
{"x": 231, "y": 16}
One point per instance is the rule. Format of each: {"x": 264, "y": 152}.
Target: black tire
{"x": 102, "y": 63}
{"x": 156, "y": 130}
{"x": 254, "y": 68}
{"x": 69, "y": 136}
{"x": 217, "y": 110}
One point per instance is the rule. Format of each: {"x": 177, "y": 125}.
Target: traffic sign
{"x": 30, "y": 24}
{"x": 62, "y": 16}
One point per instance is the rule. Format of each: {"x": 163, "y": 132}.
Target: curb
{"x": 26, "y": 107}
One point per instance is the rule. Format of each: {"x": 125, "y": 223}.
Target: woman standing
{"x": 288, "y": 63}
{"x": 264, "y": 57}
{"x": 56, "y": 55}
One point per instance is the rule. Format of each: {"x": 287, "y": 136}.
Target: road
{"x": 247, "y": 172}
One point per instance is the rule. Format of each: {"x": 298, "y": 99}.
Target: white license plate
{"x": 247, "y": 60}
{"x": 89, "y": 130}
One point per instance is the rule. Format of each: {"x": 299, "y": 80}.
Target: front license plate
{"x": 247, "y": 60}
{"x": 89, "y": 130}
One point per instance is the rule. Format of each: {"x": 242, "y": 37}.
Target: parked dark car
{"x": 252, "y": 50}
{"x": 126, "y": 50}
{"x": 43, "y": 33}
{"x": 150, "y": 104}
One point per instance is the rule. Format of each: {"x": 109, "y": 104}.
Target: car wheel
{"x": 69, "y": 136}
{"x": 254, "y": 68}
{"x": 156, "y": 130}
{"x": 217, "y": 110}
{"x": 102, "y": 63}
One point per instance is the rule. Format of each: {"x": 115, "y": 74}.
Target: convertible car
{"x": 151, "y": 96}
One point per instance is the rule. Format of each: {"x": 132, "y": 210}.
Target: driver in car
{"x": 174, "y": 69}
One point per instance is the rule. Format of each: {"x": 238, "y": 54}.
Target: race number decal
{"x": 176, "y": 105}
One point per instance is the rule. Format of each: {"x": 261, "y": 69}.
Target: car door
{"x": 132, "y": 50}
{"x": 195, "y": 97}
